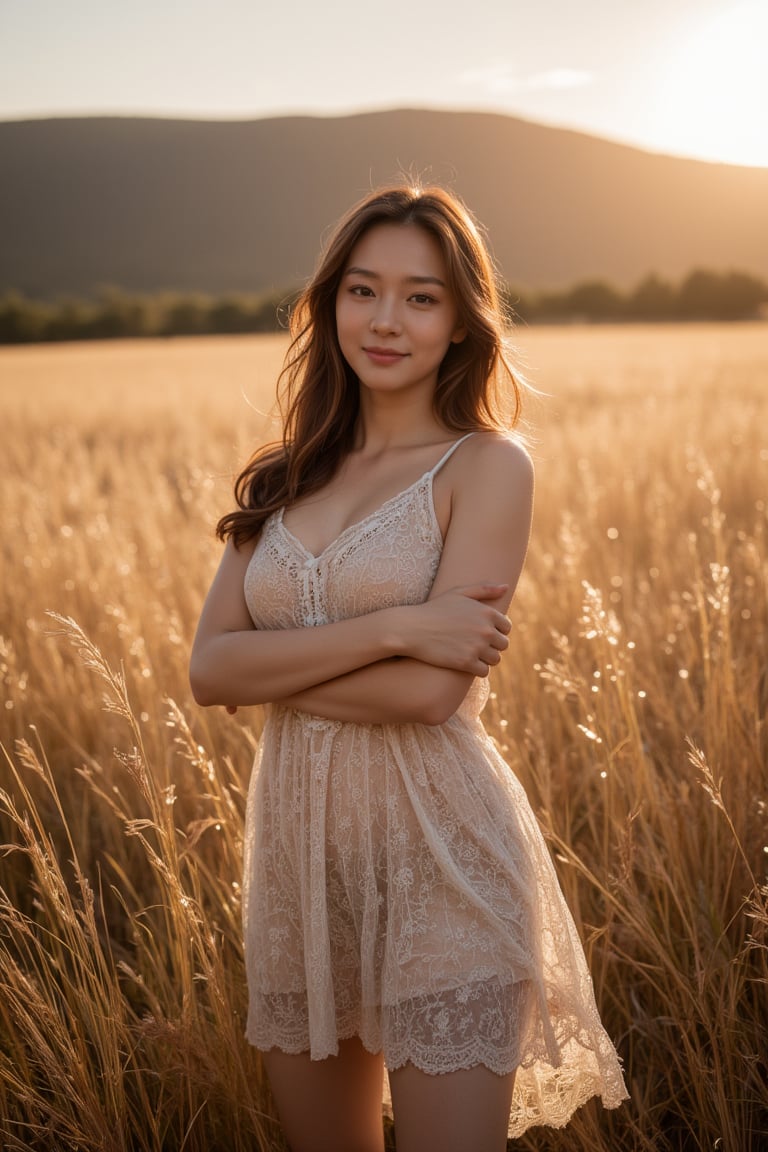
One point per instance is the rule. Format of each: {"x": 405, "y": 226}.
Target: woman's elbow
{"x": 434, "y": 714}
{"x": 440, "y": 712}
{"x": 201, "y": 697}
{"x": 203, "y": 690}
{"x": 437, "y": 704}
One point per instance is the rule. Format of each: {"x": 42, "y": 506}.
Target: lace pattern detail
{"x": 397, "y": 886}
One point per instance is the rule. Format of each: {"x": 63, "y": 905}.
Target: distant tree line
{"x": 702, "y": 295}
{"x": 115, "y": 314}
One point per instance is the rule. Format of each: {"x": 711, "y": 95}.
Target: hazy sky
{"x": 682, "y": 76}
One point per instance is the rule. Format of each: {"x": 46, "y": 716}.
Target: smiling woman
{"x": 400, "y": 906}
{"x": 394, "y": 310}
{"x": 712, "y": 96}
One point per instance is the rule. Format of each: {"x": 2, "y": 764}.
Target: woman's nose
{"x": 385, "y": 319}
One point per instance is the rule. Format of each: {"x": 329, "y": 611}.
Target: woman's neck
{"x": 390, "y": 422}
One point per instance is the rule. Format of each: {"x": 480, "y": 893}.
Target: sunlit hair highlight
{"x": 318, "y": 393}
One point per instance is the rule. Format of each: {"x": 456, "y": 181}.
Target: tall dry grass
{"x": 632, "y": 704}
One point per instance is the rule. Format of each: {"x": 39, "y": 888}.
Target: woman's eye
{"x": 422, "y": 298}
{"x": 361, "y": 290}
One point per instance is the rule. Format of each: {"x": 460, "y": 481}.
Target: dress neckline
{"x": 426, "y": 477}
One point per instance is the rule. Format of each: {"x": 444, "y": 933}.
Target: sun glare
{"x": 713, "y": 91}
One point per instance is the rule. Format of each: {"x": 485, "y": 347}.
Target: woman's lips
{"x": 384, "y": 355}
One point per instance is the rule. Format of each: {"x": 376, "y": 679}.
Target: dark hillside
{"x": 150, "y": 204}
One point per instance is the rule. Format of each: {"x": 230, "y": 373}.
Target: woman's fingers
{"x": 485, "y": 591}
{"x": 462, "y": 629}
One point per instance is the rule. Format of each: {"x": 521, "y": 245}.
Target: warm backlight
{"x": 712, "y": 99}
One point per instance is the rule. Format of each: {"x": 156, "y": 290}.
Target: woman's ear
{"x": 459, "y": 334}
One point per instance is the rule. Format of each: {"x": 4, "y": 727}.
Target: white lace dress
{"x": 397, "y": 886}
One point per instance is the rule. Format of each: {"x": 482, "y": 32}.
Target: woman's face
{"x": 395, "y": 313}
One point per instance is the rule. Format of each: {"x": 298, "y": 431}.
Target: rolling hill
{"x": 151, "y": 204}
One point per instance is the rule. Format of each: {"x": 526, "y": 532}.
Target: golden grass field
{"x": 632, "y": 704}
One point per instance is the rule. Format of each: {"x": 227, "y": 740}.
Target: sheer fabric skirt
{"x": 398, "y": 888}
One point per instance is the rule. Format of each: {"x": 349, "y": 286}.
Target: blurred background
{"x": 619, "y": 150}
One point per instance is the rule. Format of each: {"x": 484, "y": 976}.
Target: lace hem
{"x": 490, "y": 1024}
{"x": 543, "y": 1096}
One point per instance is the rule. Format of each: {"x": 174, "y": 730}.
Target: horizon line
{"x": 377, "y": 109}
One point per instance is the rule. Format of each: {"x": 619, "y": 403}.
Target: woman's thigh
{"x": 453, "y": 1112}
{"x": 331, "y": 1105}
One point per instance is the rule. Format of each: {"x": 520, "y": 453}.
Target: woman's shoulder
{"x": 492, "y": 471}
{"x": 493, "y": 454}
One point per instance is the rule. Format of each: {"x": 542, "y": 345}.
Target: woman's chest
{"x": 390, "y": 558}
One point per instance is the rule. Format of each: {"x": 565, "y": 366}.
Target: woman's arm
{"x": 233, "y": 663}
{"x": 389, "y": 692}
{"x": 489, "y": 528}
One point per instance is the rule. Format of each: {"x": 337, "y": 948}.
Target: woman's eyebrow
{"x": 355, "y": 271}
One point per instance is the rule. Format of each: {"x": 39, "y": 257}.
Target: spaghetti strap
{"x": 445, "y": 458}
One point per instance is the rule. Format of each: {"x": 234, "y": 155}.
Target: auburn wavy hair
{"x": 318, "y": 393}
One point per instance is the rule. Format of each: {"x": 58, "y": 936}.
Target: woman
{"x": 400, "y": 905}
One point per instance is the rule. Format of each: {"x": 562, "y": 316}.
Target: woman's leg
{"x": 454, "y": 1112}
{"x": 331, "y": 1105}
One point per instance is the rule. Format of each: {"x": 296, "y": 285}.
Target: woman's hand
{"x": 458, "y": 629}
